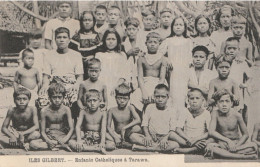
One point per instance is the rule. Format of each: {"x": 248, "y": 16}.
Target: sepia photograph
{"x": 114, "y": 82}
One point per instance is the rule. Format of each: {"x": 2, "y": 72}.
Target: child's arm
{"x": 109, "y": 129}
{"x": 6, "y": 123}
{"x": 48, "y": 44}
{"x": 43, "y": 130}
{"x": 79, "y": 79}
{"x": 69, "y": 117}
{"x": 249, "y": 55}
{"x": 136, "y": 121}
{"x": 105, "y": 95}
{"x": 103, "y": 129}
{"x": 213, "y": 126}
{"x": 243, "y": 130}
{"x": 236, "y": 93}
{"x": 45, "y": 84}
{"x": 35, "y": 122}
{"x": 148, "y": 139}
{"x": 80, "y": 95}
{"x": 180, "y": 132}
{"x": 255, "y": 134}
{"x": 78, "y": 125}
{"x": 38, "y": 80}
{"x": 222, "y": 49}
{"x": 211, "y": 92}
{"x": 141, "y": 78}
{"x": 163, "y": 71}
{"x": 17, "y": 80}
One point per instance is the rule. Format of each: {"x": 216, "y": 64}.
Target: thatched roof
{"x": 13, "y": 19}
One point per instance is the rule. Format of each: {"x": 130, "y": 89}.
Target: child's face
{"x": 199, "y": 59}
{"x": 166, "y": 19}
{"x": 148, "y": 21}
{"x": 161, "y": 97}
{"x": 152, "y": 44}
{"x": 111, "y": 41}
{"x": 196, "y": 100}
{"x": 93, "y": 103}
{"x": 113, "y": 16}
{"x": 94, "y": 71}
{"x": 88, "y": 22}
{"x": 56, "y": 99}
{"x": 21, "y": 101}
{"x": 28, "y": 60}
{"x": 232, "y": 48}
{"x": 238, "y": 30}
{"x": 131, "y": 31}
{"x": 178, "y": 27}
{"x": 62, "y": 40}
{"x": 35, "y": 43}
{"x": 65, "y": 10}
{"x": 203, "y": 25}
{"x": 223, "y": 69}
{"x": 101, "y": 15}
{"x": 225, "y": 18}
{"x": 224, "y": 104}
{"x": 122, "y": 101}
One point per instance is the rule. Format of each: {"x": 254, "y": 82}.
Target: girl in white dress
{"x": 113, "y": 64}
{"x": 178, "y": 47}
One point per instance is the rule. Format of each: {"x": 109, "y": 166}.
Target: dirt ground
{"x": 6, "y": 101}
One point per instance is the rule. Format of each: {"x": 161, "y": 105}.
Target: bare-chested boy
{"x": 225, "y": 126}
{"x": 125, "y": 118}
{"x": 28, "y": 76}
{"x": 92, "y": 120}
{"x": 256, "y": 135}
{"x": 56, "y": 121}
{"x": 193, "y": 124}
{"x": 94, "y": 68}
{"x": 151, "y": 71}
{"x": 158, "y": 125}
{"x": 25, "y": 126}
{"x": 223, "y": 81}
{"x": 246, "y": 48}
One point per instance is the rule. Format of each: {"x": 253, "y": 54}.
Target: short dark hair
{"x": 218, "y": 94}
{"x": 92, "y": 92}
{"x": 153, "y": 35}
{"x": 203, "y": 93}
{"x": 22, "y": 91}
{"x": 147, "y": 12}
{"x": 62, "y": 2}
{"x": 35, "y": 34}
{"x": 93, "y": 61}
{"x": 27, "y": 50}
{"x": 56, "y": 88}
{"x": 200, "y": 48}
{"x": 62, "y": 30}
{"x": 101, "y": 7}
{"x": 123, "y": 90}
{"x": 164, "y": 10}
{"x": 114, "y": 7}
{"x": 222, "y": 59}
{"x": 161, "y": 86}
{"x": 232, "y": 39}
{"x": 132, "y": 21}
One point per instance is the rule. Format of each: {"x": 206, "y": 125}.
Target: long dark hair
{"x": 111, "y": 31}
{"x": 185, "y": 27}
{"x": 196, "y": 24}
{"x": 81, "y": 21}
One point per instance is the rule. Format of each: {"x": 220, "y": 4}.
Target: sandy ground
{"x": 5, "y": 102}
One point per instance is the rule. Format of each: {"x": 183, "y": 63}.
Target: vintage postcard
{"x": 129, "y": 83}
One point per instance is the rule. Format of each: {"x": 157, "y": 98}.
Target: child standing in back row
{"x": 28, "y": 76}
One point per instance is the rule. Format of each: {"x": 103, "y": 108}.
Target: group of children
{"x": 159, "y": 92}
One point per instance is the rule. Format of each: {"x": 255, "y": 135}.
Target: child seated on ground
{"x": 93, "y": 123}
{"x": 193, "y": 124}
{"x": 222, "y": 82}
{"x": 93, "y": 82}
{"x": 125, "y": 118}
{"x": 28, "y": 76}
{"x": 151, "y": 71}
{"x": 25, "y": 126}
{"x": 56, "y": 121}
{"x": 158, "y": 125}
{"x": 256, "y": 135}
{"x": 225, "y": 126}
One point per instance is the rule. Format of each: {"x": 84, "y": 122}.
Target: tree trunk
{"x": 37, "y": 22}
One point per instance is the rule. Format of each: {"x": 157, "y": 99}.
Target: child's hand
{"x": 164, "y": 143}
{"x": 236, "y": 101}
{"x": 231, "y": 146}
{"x": 154, "y": 137}
{"x": 62, "y": 141}
{"x": 79, "y": 146}
{"x": 123, "y": 133}
{"x": 13, "y": 141}
{"x": 200, "y": 144}
{"x": 117, "y": 141}
{"x": 148, "y": 141}
{"x": 21, "y": 138}
{"x": 52, "y": 143}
